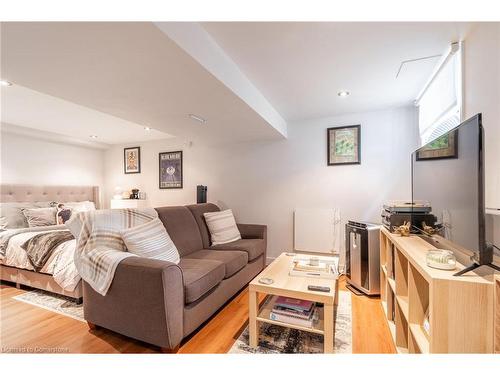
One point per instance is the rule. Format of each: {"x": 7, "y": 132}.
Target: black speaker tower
{"x": 201, "y": 194}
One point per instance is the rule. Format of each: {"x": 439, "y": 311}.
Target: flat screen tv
{"x": 448, "y": 173}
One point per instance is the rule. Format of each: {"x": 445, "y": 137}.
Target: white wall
{"x": 27, "y": 160}
{"x": 264, "y": 181}
{"x": 482, "y": 94}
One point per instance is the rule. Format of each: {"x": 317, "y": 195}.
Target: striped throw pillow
{"x": 222, "y": 227}
{"x": 151, "y": 240}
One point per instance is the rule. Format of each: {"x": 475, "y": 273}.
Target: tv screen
{"x": 448, "y": 174}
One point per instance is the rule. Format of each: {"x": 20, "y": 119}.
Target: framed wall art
{"x": 344, "y": 145}
{"x": 170, "y": 170}
{"x": 444, "y": 147}
{"x": 132, "y": 160}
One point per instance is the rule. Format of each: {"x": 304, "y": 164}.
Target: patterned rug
{"x": 275, "y": 339}
{"x": 52, "y": 302}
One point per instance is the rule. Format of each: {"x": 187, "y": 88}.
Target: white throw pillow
{"x": 151, "y": 240}
{"x": 222, "y": 227}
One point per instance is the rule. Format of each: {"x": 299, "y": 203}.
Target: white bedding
{"x": 60, "y": 265}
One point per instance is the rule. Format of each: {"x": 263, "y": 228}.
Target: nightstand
{"x": 129, "y": 203}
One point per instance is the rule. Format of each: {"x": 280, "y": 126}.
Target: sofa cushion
{"x": 200, "y": 276}
{"x": 222, "y": 227}
{"x": 255, "y": 247}
{"x": 233, "y": 260}
{"x": 182, "y": 228}
{"x": 198, "y": 210}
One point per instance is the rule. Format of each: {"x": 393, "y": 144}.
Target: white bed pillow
{"x": 222, "y": 227}
{"x": 151, "y": 240}
{"x": 80, "y": 206}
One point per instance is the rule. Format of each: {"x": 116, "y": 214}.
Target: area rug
{"x": 52, "y": 302}
{"x": 275, "y": 339}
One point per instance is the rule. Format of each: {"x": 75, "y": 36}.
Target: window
{"x": 440, "y": 103}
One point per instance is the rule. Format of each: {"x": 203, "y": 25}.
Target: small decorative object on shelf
{"x": 427, "y": 229}
{"x": 135, "y": 194}
{"x": 403, "y": 230}
{"x": 118, "y": 193}
{"x": 441, "y": 259}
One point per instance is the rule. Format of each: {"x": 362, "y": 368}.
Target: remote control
{"x": 317, "y": 288}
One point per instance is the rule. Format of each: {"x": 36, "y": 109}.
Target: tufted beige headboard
{"x": 34, "y": 193}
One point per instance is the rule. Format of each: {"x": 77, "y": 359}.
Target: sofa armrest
{"x": 249, "y": 231}
{"x": 145, "y": 301}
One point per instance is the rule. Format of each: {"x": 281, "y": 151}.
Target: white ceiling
{"x": 31, "y": 109}
{"x": 114, "y": 78}
{"x": 131, "y": 71}
{"x": 300, "y": 67}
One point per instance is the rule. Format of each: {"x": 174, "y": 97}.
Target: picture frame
{"x": 443, "y": 147}
{"x": 344, "y": 145}
{"x": 170, "y": 171}
{"x": 132, "y": 160}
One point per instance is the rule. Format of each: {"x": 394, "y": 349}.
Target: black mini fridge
{"x": 363, "y": 257}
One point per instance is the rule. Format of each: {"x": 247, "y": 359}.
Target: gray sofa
{"x": 161, "y": 302}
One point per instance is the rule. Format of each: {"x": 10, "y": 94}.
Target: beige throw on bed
{"x": 99, "y": 245}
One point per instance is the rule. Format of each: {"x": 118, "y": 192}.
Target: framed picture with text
{"x": 132, "y": 160}
{"x": 344, "y": 145}
{"x": 170, "y": 170}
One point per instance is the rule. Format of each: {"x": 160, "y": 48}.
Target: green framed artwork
{"x": 444, "y": 147}
{"x": 344, "y": 145}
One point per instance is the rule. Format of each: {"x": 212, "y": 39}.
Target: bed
{"x": 14, "y": 266}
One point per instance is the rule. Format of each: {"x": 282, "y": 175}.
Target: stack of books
{"x": 294, "y": 311}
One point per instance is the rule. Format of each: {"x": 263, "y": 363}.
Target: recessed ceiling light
{"x": 147, "y": 128}
{"x": 4, "y": 83}
{"x": 93, "y": 136}
{"x": 343, "y": 93}
{"x": 197, "y": 118}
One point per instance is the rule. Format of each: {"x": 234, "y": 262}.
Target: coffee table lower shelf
{"x": 265, "y": 313}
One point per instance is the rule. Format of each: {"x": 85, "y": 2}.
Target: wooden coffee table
{"x": 293, "y": 287}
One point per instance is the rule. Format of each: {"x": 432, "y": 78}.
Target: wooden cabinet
{"x": 459, "y": 310}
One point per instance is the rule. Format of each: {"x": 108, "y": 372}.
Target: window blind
{"x": 439, "y": 107}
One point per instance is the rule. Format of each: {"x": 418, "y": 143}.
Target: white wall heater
{"x": 317, "y": 230}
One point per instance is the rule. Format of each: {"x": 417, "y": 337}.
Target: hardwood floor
{"x": 26, "y": 326}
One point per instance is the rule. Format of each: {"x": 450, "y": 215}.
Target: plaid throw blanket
{"x": 99, "y": 245}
